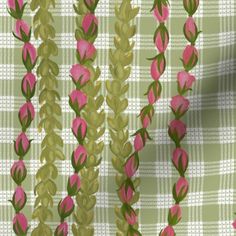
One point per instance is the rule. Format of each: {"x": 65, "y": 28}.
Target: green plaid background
{"x": 211, "y": 120}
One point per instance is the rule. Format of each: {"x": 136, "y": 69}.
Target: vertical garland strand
{"x": 94, "y": 116}
{"x": 179, "y": 106}
{"x": 26, "y": 114}
{"x": 49, "y": 113}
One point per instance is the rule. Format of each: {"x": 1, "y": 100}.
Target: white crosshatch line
{"x": 227, "y": 8}
{"x": 227, "y": 166}
{"x": 226, "y": 196}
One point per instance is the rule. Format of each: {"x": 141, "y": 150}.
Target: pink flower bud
{"x": 175, "y": 215}
{"x": 168, "y": 231}
{"x": 28, "y": 85}
{"x": 154, "y": 92}
{"x": 22, "y": 144}
{"x": 80, "y": 74}
{"x": 66, "y": 207}
{"x": 131, "y": 165}
{"x": 146, "y": 115}
{"x": 78, "y": 100}
{"x": 19, "y": 199}
{"x": 177, "y": 130}
{"x": 126, "y": 193}
{"x": 79, "y": 128}
{"x": 161, "y": 14}
{"x": 179, "y": 105}
{"x": 161, "y": 38}
{"x": 140, "y": 141}
{"x": 190, "y": 57}
{"x": 79, "y": 157}
{"x": 26, "y": 114}
{"x": 12, "y": 5}
{"x": 180, "y": 189}
{"x": 22, "y": 30}
{"x": 191, "y": 6}
{"x": 234, "y": 224}
{"x": 73, "y": 185}
{"x": 158, "y": 67}
{"x": 190, "y": 30}
{"x": 86, "y": 51}
{"x": 185, "y": 81}
{"x": 61, "y": 230}
{"x": 180, "y": 160}
{"x": 131, "y": 217}
{"x": 20, "y": 224}
{"x": 18, "y": 172}
{"x": 29, "y": 56}
{"x": 90, "y": 24}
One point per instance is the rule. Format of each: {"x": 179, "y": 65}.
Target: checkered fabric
{"x": 211, "y": 120}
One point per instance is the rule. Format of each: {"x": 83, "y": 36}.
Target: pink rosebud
{"x": 158, "y": 67}
{"x": 179, "y": 105}
{"x": 80, "y": 74}
{"x": 79, "y": 128}
{"x": 161, "y": 38}
{"x": 154, "y": 92}
{"x": 146, "y": 115}
{"x": 126, "y": 193}
{"x": 180, "y": 160}
{"x": 177, "y": 130}
{"x": 131, "y": 165}
{"x": 73, "y": 184}
{"x": 29, "y": 56}
{"x": 18, "y": 172}
{"x": 86, "y": 51}
{"x": 168, "y": 231}
{"x": 175, "y": 215}
{"x": 161, "y": 14}
{"x": 190, "y": 30}
{"x": 28, "y": 85}
{"x": 79, "y": 157}
{"x": 19, "y": 199}
{"x": 26, "y": 114}
{"x": 61, "y": 230}
{"x": 66, "y": 207}
{"x": 22, "y": 144}
{"x": 78, "y": 100}
{"x": 22, "y": 30}
{"x": 234, "y": 224}
{"x": 12, "y": 4}
{"x": 20, "y": 224}
{"x": 190, "y": 57}
{"x": 131, "y": 217}
{"x": 180, "y": 189}
{"x": 140, "y": 141}
{"x": 185, "y": 81}
{"x": 191, "y": 6}
{"x": 90, "y": 24}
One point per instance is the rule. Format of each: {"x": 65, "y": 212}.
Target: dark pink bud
{"x": 28, "y": 85}
{"x": 162, "y": 13}
{"x": 180, "y": 189}
{"x": 179, "y": 105}
{"x": 18, "y": 172}
{"x": 154, "y": 92}
{"x": 22, "y": 30}
{"x": 234, "y": 224}
{"x": 80, "y": 74}
{"x": 180, "y": 160}
{"x": 146, "y": 115}
{"x": 19, "y": 199}
{"x": 131, "y": 217}
{"x": 79, "y": 128}
{"x": 26, "y": 114}
{"x": 61, "y": 230}
{"x": 78, "y": 100}
{"x": 126, "y": 192}
{"x": 190, "y": 57}
{"x": 20, "y": 224}
{"x": 191, "y": 6}
{"x": 185, "y": 81}
{"x": 158, "y": 66}
{"x": 73, "y": 185}
{"x": 86, "y": 50}
{"x": 22, "y": 144}
{"x": 168, "y": 231}
{"x": 12, "y": 4}
{"x": 65, "y": 207}
{"x": 161, "y": 38}
{"x": 140, "y": 139}
{"x": 79, "y": 157}
{"x": 29, "y": 56}
{"x": 131, "y": 165}
{"x": 190, "y": 30}
{"x": 90, "y": 24}
{"x": 177, "y": 131}
{"x": 175, "y": 215}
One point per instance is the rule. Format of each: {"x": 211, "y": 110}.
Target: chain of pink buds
{"x": 161, "y": 40}
{"x": 26, "y": 114}
{"x": 80, "y": 75}
{"x": 179, "y": 106}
